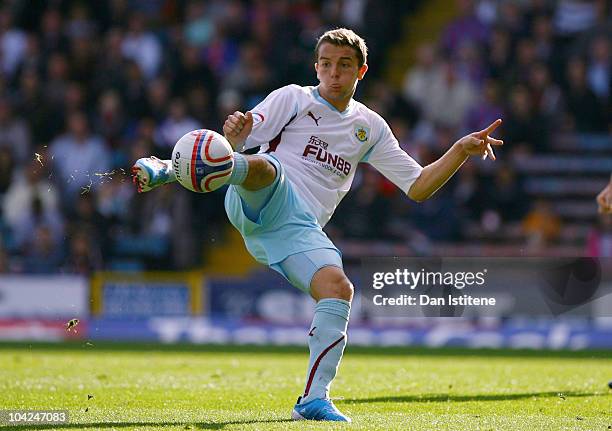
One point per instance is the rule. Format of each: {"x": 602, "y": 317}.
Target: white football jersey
{"x": 320, "y": 147}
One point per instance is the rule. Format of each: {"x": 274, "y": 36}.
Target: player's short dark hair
{"x": 345, "y": 37}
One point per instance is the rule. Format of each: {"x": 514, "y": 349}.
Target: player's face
{"x": 338, "y": 72}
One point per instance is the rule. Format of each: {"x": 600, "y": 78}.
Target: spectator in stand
{"x": 542, "y": 33}
{"x": 142, "y": 46}
{"x": 44, "y": 254}
{"x": 52, "y": 36}
{"x": 14, "y": 133}
{"x": 85, "y": 217}
{"x": 467, "y": 27}
{"x": 30, "y": 201}
{"x": 469, "y": 63}
{"x": 84, "y": 255}
{"x": 541, "y": 225}
{"x": 487, "y": 109}
{"x": 523, "y": 126}
{"x": 599, "y": 70}
{"x": 573, "y": 16}
{"x": 506, "y": 195}
{"x": 192, "y": 71}
{"x": 546, "y": 95}
{"x": 499, "y": 53}
{"x": 177, "y": 123}
{"x": 7, "y": 167}
{"x": 13, "y": 43}
{"x": 420, "y": 79}
{"x": 57, "y": 79}
{"x": 199, "y": 26}
{"x": 44, "y": 120}
{"x": 110, "y": 70}
{"x": 4, "y": 261}
{"x": 77, "y": 156}
{"x": 451, "y": 98}
{"x": 582, "y": 104}
{"x": 109, "y": 121}
{"x": 526, "y": 56}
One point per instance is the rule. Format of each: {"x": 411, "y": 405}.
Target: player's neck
{"x": 340, "y": 104}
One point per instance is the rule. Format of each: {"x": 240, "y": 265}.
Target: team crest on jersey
{"x": 362, "y": 133}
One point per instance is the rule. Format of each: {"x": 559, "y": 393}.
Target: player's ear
{"x": 362, "y": 71}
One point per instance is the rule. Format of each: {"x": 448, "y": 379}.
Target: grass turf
{"x": 147, "y": 387}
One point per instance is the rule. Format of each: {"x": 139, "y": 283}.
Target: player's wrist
{"x": 236, "y": 145}
{"x": 461, "y": 148}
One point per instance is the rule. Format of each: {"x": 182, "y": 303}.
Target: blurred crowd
{"x": 86, "y": 88}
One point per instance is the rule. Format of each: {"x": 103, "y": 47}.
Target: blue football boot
{"x": 317, "y": 410}
{"x": 151, "y": 172}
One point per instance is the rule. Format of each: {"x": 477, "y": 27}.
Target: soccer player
{"x": 604, "y": 199}
{"x": 311, "y": 140}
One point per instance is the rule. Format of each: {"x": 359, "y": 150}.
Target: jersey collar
{"x": 317, "y": 96}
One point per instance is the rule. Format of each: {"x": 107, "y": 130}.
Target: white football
{"x": 202, "y": 160}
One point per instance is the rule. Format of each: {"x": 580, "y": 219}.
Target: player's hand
{"x": 604, "y": 199}
{"x": 237, "y": 128}
{"x": 480, "y": 143}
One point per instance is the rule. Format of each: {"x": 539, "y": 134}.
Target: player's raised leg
{"x": 326, "y": 340}
{"x": 252, "y": 172}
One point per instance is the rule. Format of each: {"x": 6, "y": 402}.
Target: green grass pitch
{"x": 145, "y": 387}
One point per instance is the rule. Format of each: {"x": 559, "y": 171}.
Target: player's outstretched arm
{"x": 437, "y": 173}
{"x": 237, "y": 128}
{"x": 604, "y": 199}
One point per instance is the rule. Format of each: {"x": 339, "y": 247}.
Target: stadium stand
{"x": 88, "y": 87}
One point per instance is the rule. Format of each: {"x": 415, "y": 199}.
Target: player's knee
{"x": 261, "y": 173}
{"x": 344, "y": 289}
{"x": 335, "y": 285}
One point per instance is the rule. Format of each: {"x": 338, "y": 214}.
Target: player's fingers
{"x": 229, "y": 125}
{"x": 232, "y": 126}
{"x": 494, "y": 125}
{"x": 490, "y": 152}
{"x": 494, "y": 141}
{"x": 248, "y": 125}
{"x": 240, "y": 117}
{"x": 227, "y": 129}
{"x": 233, "y": 119}
{"x": 601, "y": 200}
{"x": 482, "y": 149}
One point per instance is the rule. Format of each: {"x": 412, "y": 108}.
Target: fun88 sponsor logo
{"x": 317, "y": 149}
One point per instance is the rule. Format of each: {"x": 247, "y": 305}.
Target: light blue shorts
{"x": 284, "y": 228}
{"x": 299, "y": 268}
